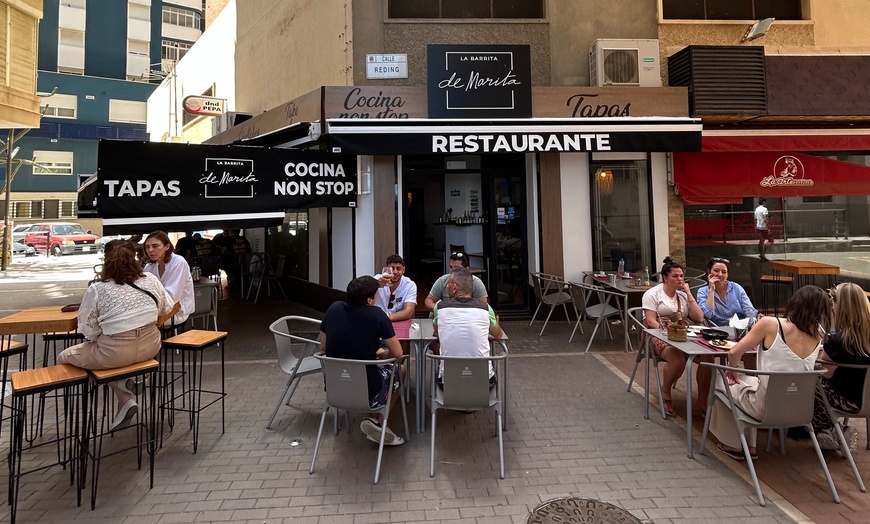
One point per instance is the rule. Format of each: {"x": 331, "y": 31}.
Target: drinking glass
{"x": 387, "y": 272}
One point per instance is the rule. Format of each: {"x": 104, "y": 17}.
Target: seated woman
{"x": 844, "y": 387}
{"x": 117, "y": 317}
{"x": 722, "y": 299}
{"x": 670, "y": 301}
{"x": 173, "y": 272}
{"x": 791, "y": 344}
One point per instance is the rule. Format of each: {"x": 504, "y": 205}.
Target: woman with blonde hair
{"x": 117, "y": 317}
{"x": 844, "y": 387}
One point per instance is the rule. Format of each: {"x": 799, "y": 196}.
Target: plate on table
{"x": 722, "y": 344}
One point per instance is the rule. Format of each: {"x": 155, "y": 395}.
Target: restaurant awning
{"x": 726, "y": 178}
{"x": 461, "y": 136}
{"x": 720, "y": 141}
{"x": 142, "y": 186}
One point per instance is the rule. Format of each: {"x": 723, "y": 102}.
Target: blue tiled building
{"x": 102, "y": 59}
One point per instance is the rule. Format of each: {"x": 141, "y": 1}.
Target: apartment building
{"x": 98, "y": 61}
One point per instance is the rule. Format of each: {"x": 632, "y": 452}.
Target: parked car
{"x": 61, "y": 238}
{"x": 20, "y": 231}
{"x": 19, "y": 249}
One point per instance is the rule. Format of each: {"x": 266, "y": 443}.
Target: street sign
{"x": 387, "y": 66}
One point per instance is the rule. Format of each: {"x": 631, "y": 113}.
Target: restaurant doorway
{"x": 470, "y": 204}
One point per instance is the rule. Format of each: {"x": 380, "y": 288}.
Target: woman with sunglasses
{"x": 671, "y": 300}
{"x": 849, "y": 345}
{"x": 721, "y": 299}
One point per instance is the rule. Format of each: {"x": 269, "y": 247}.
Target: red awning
{"x": 860, "y": 141}
{"x": 726, "y": 178}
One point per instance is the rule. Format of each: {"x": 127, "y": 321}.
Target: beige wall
{"x": 286, "y": 48}
{"x": 19, "y": 105}
{"x": 574, "y": 26}
{"x": 841, "y": 23}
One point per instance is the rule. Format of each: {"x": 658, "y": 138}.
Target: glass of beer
{"x": 387, "y": 273}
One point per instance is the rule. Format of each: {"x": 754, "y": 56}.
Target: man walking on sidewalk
{"x": 762, "y": 227}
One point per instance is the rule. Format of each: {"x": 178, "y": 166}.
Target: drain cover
{"x": 295, "y": 442}
{"x": 576, "y": 510}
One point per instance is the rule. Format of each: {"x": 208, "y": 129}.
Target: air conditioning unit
{"x": 625, "y": 62}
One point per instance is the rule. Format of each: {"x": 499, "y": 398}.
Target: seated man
{"x": 354, "y": 330}
{"x": 397, "y": 296}
{"x": 464, "y": 324}
{"x": 439, "y": 288}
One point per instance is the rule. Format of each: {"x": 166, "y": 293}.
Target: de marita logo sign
{"x": 479, "y": 81}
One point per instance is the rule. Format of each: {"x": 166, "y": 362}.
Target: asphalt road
{"x": 44, "y": 281}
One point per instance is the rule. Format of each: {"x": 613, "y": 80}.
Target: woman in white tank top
{"x": 788, "y": 344}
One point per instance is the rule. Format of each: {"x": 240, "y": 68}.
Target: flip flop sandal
{"x": 736, "y": 455}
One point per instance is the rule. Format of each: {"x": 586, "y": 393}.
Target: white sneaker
{"x": 372, "y": 430}
{"x": 851, "y": 438}
{"x": 827, "y": 440}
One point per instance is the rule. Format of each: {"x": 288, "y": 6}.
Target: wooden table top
{"x": 45, "y": 319}
{"x": 804, "y": 267}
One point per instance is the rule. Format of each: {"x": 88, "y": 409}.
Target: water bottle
{"x": 621, "y": 270}
{"x": 646, "y": 275}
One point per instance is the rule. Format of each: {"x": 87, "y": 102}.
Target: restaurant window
{"x": 731, "y": 9}
{"x": 290, "y": 240}
{"x": 52, "y": 162}
{"x": 621, "y": 214}
{"x": 481, "y": 9}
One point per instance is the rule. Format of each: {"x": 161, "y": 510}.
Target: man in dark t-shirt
{"x": 355, "y": 330}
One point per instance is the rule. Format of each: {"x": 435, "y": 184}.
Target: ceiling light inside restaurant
{"x": 605, "y": 181}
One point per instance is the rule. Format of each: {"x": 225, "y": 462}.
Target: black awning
{"x": 464, "y": 136}
{"x": 174, "y": 186}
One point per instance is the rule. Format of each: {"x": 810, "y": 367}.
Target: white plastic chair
{"x": 788, "y": 403}
{"x": 347, "y": 389}
{"x": 295, "y": 353}
{"x": 466, "y": 386}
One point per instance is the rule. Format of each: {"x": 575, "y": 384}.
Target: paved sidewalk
{"x": 574, "y": 431}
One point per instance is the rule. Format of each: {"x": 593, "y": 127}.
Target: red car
{"x": 62, "y": 238}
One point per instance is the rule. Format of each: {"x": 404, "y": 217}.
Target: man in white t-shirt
{"x": 762, "y": 228}
{"x": 397, "y": 296}
{"x": 464, "y": 324}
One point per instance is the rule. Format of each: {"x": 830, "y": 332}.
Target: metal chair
{"x": 295, "y": 353}
{"x": 635, "y": 317}
{"x": 788, "y": 403}
{"x": 552, "y": 291}
{"x": 347, "y": 389}
{"x": 610, "y": 303}
{"x": 864, "y": 412}
{"x": 205, "y": 297}
{"x": 466, "y": 386}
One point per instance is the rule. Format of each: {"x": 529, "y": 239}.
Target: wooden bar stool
{"x": 775, "y": 282}
{"x": 72, "y": 445}
{"x": 8, "y": 349}
{"x": 146, "y": 420}
{"x": 191, "y": 344}
{"x": 51, "y": 343}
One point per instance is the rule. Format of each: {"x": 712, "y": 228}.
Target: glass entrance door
{"x": 509, "y": 259}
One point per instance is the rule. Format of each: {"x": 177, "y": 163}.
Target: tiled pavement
{"x": 574, "y": 430}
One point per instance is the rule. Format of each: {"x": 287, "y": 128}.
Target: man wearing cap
{"x": 439, "y": 289}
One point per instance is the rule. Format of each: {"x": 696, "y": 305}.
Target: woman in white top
{"x": 789, "y": 344}
{"x": 173, "y": 272}
{"x": 670, "y": 300}
{"x": 117, "y": 317}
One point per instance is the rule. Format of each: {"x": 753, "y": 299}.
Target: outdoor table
{"x": 29, "y": 323}
{"x": 629, "y": 288}
{"x": 692, "y": 350}
{"x": 425, "y": 333}
{"x": 805, "y": 270}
